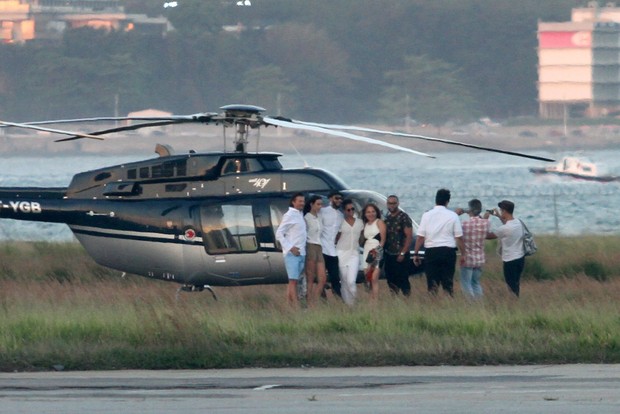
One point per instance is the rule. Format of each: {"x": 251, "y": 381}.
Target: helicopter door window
{"x": 228, "y": 228}
{"x": 181, "y": 168}
{"x": 252, "y": 164}
{"x": 277, "y": 210}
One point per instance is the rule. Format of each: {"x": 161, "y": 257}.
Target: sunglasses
{"x": 351, "y": 209}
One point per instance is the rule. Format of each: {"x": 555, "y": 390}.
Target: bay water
{"x": 548, "y": 204}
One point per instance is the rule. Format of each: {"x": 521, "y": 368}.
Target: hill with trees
{"x": 330, "y": 61}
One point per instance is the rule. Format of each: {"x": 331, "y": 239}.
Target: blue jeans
{"x": 470, "y": 282}
{"x": 294, "y": 265}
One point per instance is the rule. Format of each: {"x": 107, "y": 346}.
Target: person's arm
{"x": 419, "y": 242}
{"x": 382, "y": 232}
{"x": 406, "y": 244}
{"x": 281, "y": 233}
{"x": 461, "y": 245}
{"x": 498, "y": 233}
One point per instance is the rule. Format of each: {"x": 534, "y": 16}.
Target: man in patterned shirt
{"x": 399, "y": 236}
{"x": 475, "y": 231}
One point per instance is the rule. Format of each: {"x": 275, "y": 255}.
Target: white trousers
{"x": 348, "y": 264}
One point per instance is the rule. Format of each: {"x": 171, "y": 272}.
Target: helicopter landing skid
{"x": 196, "y": 288}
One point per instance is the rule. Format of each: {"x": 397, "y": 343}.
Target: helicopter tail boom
{"x": 34, "y": 204}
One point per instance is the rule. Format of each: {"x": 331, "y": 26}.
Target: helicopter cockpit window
{"x": 228, "y": 228}
{"x": 235, "y": 166}
{"x": 271, "y": 164}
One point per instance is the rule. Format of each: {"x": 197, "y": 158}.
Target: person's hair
{"x": 367, "y": 206}
{"x": 346, "y": 202}
{"x": 475, "y": 207}
{"x": 393, "y": 196}
{"x": 293, "y": 197}
{"x": 443, "y": 197}
{"x": 507, "y": 206}
{"x": 311, "y": 202}
{"x": 334, "y": 193}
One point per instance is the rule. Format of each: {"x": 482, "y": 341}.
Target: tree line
{"x": 325, "y": 60}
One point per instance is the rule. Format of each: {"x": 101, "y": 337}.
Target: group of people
{"x": 323, "y": 241}
{"x": 441, "y": 233}
{"x": 307, "y": 234}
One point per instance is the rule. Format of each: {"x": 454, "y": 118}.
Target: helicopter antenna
{"x": 306, "y": 165}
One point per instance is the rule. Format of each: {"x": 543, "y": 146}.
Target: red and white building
{"x": 579, "y": 64}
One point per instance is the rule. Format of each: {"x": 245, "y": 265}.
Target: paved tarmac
{"x": 562, "y": 389}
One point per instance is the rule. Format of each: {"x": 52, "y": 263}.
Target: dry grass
{"x": 57, "y": 307}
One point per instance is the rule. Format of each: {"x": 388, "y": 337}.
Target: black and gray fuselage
{"x": 196, "y": 219}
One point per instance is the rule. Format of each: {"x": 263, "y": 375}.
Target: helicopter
{"x": 196, "y": 219}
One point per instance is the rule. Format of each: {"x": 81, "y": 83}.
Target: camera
{"x": 491, "y": 212}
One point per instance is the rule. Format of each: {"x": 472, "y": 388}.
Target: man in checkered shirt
{"x": 475, "y": 231}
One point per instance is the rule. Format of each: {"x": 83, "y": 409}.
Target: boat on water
{"x": 577, "y": 167}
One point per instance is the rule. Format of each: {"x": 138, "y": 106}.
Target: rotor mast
{"x": 244, "y": 118}
{"x": 241, "y": 138}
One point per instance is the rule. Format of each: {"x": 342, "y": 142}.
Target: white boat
{"x": 576, "y": 167}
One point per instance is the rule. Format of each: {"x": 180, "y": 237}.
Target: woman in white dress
{"x": 348, "y": 251}
{"x": 374, "y": 236}
{"x": 315, "y": 264}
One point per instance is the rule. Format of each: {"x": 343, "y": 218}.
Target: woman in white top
{"x": 348, "y": 252}
{"x": 315, "y": 264}
{"x": 374, "y": 235}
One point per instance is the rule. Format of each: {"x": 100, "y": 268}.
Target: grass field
{"x": 58, "y": 308}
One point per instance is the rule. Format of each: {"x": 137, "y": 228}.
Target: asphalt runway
{"x": 562, "y": 389}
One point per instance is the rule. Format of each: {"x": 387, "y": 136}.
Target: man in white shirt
{"x": 292, "y": 236}
{"x": 510, "y": 235}
{"x": 331, "y": 220}
{"x": 440, "y": 232}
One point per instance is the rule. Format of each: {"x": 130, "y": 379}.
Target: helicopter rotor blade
{"x": 316, "y": 128}
{"x": 51, "y": 130}
{"x": 123, "y": 128}
{"x": 198, "y": 117}
{"x": 152, "y": 121}
{"x": 425, "y": 138}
